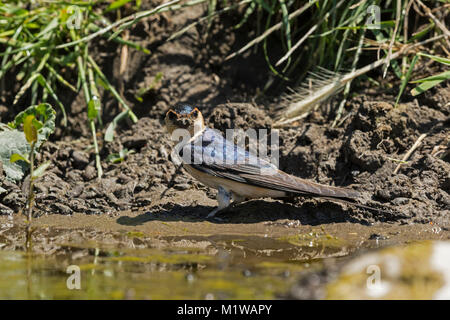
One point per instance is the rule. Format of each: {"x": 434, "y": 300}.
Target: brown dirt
{"x": 357, "y": 153}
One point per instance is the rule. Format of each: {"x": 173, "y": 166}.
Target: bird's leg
{"x": 237, "y": 198}
{"x": 224, "y": 199}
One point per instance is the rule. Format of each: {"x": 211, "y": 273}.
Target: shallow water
{"x": 173, "y": 260}
{"x": 233, "y": 268}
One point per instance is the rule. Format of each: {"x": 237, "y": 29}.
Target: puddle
{"x": 173, "y": 260}
{"x": 127, "y": 276}
{"x": 213, "y": 267}
{"x": 119, "y": 275}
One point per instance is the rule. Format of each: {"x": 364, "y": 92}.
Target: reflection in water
{"x": 37, "y": 264}
{"x": 229, "y": 268}
{"x": 29, "y": 257}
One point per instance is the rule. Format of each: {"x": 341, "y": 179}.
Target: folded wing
{"x": 219, "y": 157}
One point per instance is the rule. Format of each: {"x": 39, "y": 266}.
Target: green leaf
{"x": 29, "y": 129}
{"x": 429, "y": 82}
{"x": 437, "y": 77}
{"x": 16, "y": 157}
{"x": 45, "y": 113}
{"x": 13, "y": 10}
{"x": 114, "y": 158}
{"x": 419, "y": 35}
{"x": 93, "y": 108}
{"x": 263, "y": 4}
{"x": 119, "y": 157}
{"x": 424, "y": 87}
{"x": 436, "y": 58}
{"x": 109, "y": 134}
{"x": 39, "y": 171}
{"x": 117, "y": 4}
{"x": 11, "y": 142}
{"x": 406, "y": 78}
{"x": 46, "y": 32}
{"x": 37, "y": 124}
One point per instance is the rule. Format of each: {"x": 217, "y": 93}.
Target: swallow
{"x": 236, "y": 173}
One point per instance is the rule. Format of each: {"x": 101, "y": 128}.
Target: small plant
{"x": 156, "y": 83}
{"x": 430, "y": 82}
{"x": 119, "y": 157}
{"x": 38, "y": 123}
{"x": 425, "y": 83}
{"x": 34, "y": 50}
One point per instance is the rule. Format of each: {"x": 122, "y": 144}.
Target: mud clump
{"x": 239, "y": 116}
{"x": 379, "y": 135}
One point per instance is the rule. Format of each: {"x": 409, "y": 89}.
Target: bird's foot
{"x": 224, "y": 198}
{"x": 213, "y": 213}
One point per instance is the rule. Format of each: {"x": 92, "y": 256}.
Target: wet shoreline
{"x": 199, "y": 259}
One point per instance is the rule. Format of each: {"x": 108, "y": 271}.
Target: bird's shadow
{"x": 254, "y": 211}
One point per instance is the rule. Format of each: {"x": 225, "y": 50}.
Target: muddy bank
{"x": 361, "y": 154}
{"x": 156, "y": 227}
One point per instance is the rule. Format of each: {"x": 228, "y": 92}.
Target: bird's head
{"x": 183, "y": 116}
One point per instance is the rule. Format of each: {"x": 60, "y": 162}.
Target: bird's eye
{"x": 195, "y": 113}
{"x": 172, "y": 115}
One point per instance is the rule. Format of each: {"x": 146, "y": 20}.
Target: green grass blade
{"x": 438, "y": 77}
{"x": 25, "y": 87}
{"x": 60, "y": 78}
{"x": 250, "y": 9}
{"x": 406, "y": 79}
{"x": 117, "y": 4}
{"x": 111, "y": 89}
{"x": 122, "y": 22}
{"x": 430, "y": 82}
{"x": 287, "y": 29}
{"x": 436, "y": 58}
